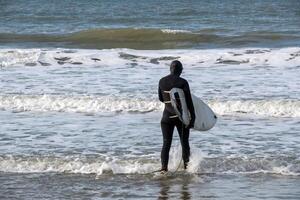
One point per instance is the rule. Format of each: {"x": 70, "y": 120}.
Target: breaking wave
{"x": 284, "y": 57}
{"x": 100, "y": 104}
{"x": 282, "y": 165}
{"x": 88, "y": 104}
{"x": 271, "y": 108}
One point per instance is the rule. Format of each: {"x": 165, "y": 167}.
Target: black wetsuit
{"x": 168, "y": 122}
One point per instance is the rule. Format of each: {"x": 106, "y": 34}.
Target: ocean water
{"x": 79, "y": 110}
{"x": 149, "y": 25}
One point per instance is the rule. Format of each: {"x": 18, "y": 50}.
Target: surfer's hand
{"x": 191, "y": 125}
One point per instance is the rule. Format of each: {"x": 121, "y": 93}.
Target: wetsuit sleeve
{"x": 160, "y": 94}
{"x": 189, "y": 102}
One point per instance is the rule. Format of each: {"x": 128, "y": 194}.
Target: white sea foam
{"x": 100, "y": 104}
{"x": 18, "y": 57}
{"x": 85, "y": 104}
{"x": 175, "y": 31}
{"x": 284, "y": 57}
{"x": 82, "y": 165}
{"x": 273, "y": 108}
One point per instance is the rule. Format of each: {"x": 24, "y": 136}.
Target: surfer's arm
{"x": 160, "y": 95}
{"x": 189, "y": 102}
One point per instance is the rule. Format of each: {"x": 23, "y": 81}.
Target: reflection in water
{"x": 167, "y": 183}
{"x": 164, "y": 189}
{"x": 185, "y": 194}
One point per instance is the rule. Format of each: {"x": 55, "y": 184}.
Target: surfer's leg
{"x": 184, "y": 134}
{"x": 167, "y": 131}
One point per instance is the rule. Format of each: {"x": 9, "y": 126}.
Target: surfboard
{"x": 205, "y": 118}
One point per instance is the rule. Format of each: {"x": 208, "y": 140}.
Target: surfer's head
{"x": 176, "y": 68}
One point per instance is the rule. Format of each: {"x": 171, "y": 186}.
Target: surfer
{"x": 169, "y": 119}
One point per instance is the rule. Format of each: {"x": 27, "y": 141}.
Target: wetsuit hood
{"x": 176, "y": 68}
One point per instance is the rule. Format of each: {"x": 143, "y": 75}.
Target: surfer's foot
{"x": 163, "y": 171}
{"x": 185, "y": 165}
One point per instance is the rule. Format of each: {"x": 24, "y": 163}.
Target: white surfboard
{"x": 205, "y": 118}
